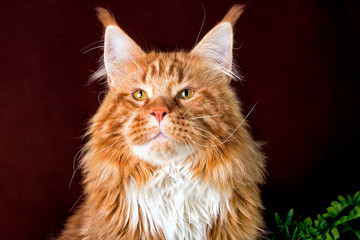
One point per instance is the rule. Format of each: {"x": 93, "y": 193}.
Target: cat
{"x": 169, "y": 154}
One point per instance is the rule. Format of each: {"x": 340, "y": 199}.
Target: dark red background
{"x": 300, "y": 59}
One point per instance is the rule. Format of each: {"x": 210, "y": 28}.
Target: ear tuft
{"x": 119, "y": 49}
{"x": 233, "y": 14}
{"x": 105, "y": 17}
{"x": 217, "y": 45}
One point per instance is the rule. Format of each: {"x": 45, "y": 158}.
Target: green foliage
{"x": 336, "y": 223}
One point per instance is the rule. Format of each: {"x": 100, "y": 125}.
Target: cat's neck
{"x": 174, "y": 199}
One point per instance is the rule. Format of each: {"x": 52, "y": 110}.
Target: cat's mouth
{"x": 160, "y": 148}
{"x": 160, "y": 136}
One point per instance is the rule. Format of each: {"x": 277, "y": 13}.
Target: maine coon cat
{"x": 169, "y": 154}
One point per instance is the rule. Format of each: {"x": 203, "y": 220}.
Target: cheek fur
{"x": 203, "y": 121}
{"x": 140, "y": 130}
{"x": 178, "y": 128}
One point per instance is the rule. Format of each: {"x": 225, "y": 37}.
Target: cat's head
{"x": 167, "y": 106}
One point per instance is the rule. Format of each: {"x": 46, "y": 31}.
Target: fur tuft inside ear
{"x": 217, "y": 45}
{"x": 119, "y": 49}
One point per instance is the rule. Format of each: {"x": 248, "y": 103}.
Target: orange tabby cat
{"x": 169, "y": 154}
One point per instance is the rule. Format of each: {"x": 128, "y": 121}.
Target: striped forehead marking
{"x": 165, "y": 67}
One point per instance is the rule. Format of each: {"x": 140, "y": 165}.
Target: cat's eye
{"x": 140, "y": 95}
{"x": 186, "y": 93}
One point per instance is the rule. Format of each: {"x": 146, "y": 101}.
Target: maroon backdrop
{"x": 301, "y": 63}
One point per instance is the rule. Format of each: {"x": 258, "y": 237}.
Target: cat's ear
{"x": 217, "y": 44}
{"x": 119, "y": 48}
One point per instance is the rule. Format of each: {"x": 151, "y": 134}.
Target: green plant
{"x": 338, "y": 221}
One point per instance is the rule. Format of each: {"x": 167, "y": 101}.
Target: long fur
{"x": 198, "y": 181}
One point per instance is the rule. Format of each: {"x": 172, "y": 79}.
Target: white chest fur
{"x": 176, "y": 204}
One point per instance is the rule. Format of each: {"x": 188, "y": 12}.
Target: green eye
{"x": 140, "y": 95}
{"x": 186, "y": 93}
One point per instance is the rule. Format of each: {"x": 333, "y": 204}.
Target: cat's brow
{"x": 165, "y": 66}
{"x": 151, "y": 72}
{"x": 171, "y": 67}
{"x": 176, "y": 70}
{"x": 161, "y": 64}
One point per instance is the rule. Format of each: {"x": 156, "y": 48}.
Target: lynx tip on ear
{"x": 105, "y": 17}
{"x": 233, "y": 14}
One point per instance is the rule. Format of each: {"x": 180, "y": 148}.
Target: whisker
{"x": 185, "y": 113}
{"x": 92, "y": 49}
{"x": 77, "y": 155}
{"x": 211, "y": 145}
{"x": 196, "y": 145}
{"x": 216, "y": 147}
{"x": 198, "y": 36}
{"x": 81, "y": 151}
{"x": 73, "y": 175}
{"x": 116, "y": 101}
{"x": 100, "y": 103}
{"x": 75, "y": 203}
{"x": 117, "y": 107}
{"x": 137, "y": 65}
{"x": 203, "y": 117}
{"x": 208, "y": 133}
{"x": 208, "y": 146}
{"x": 227, "y": 139}
{"x": 247, "y": 115}
{"x": 202, "y": 24}
{"x": 208, "y": 137}
{"x": 91, "y": 45}
{"x": 193, "y": 154}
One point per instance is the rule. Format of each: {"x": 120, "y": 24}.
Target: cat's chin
{"x": 161, "y": 149}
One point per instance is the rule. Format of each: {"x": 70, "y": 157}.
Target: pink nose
{"x": 159, "y": 113}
